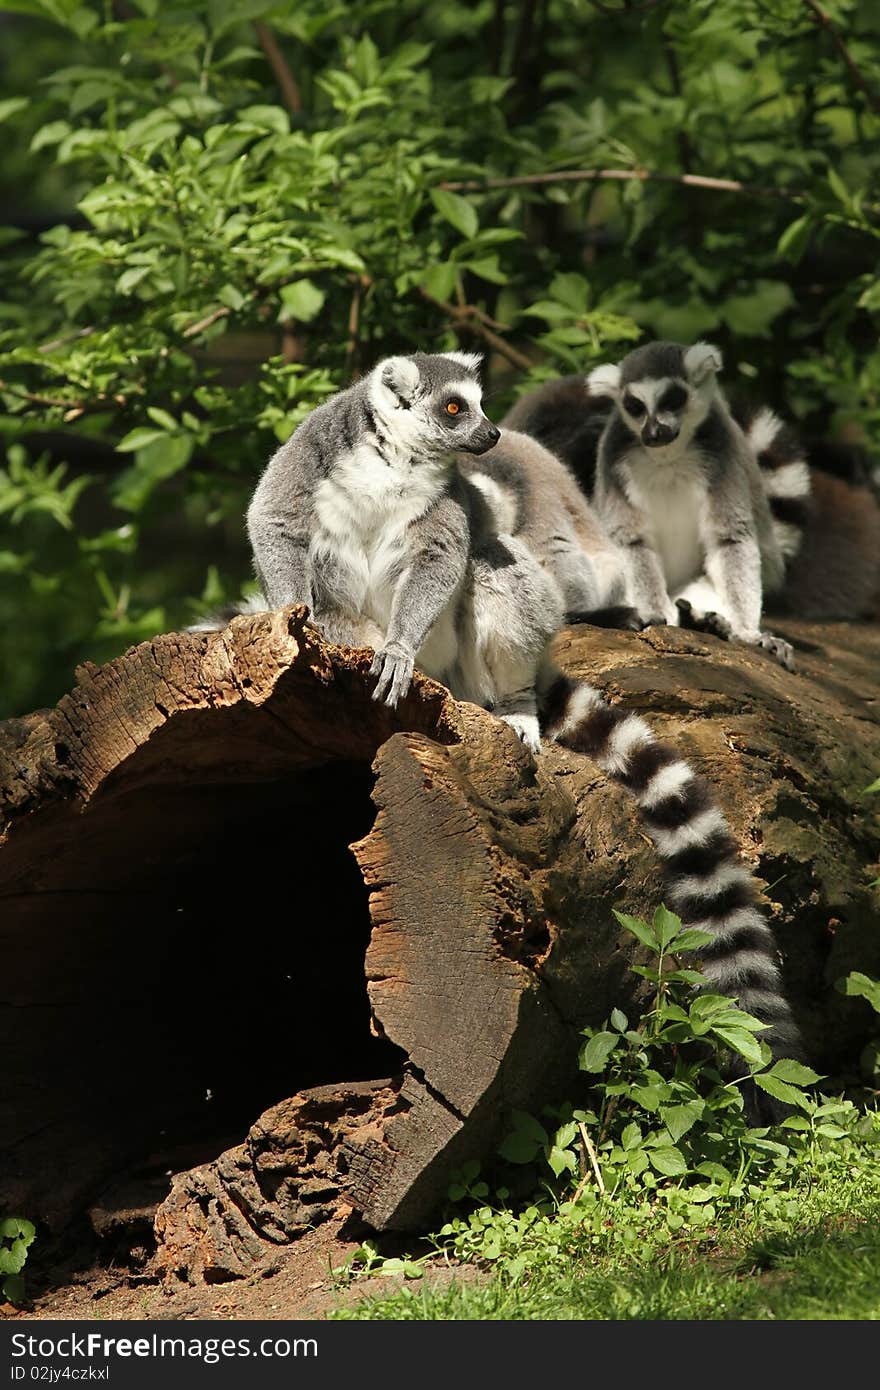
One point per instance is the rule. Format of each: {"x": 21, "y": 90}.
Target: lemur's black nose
{"x": 655, "y": 434}
{"x": 494, "y": 433}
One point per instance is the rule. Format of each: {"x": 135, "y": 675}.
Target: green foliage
{"x": 16, "y": 1238}
{"x": 660, "y": 1152}
{"x": 203, "y": 248}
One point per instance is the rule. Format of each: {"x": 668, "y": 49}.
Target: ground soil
{"x": 298, "y": 1282}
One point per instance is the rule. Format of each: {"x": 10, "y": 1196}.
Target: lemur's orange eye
{"x": 452, "y": 407}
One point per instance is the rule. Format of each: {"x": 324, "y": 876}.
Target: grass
{"x": 827, "y": 1271}
{"x": 687, "y": 1209}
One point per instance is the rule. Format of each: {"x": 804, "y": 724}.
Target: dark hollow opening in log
{"x": 214, "y": 967}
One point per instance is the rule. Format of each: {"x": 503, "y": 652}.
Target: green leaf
{"x": 631, "y": 1137}
{"x": 787, "y": 1069}
{"x": 301, "y": 301}
{"x": 666, "y": 926}
{"x": 861, "y": 986}
{"x": 439, "y": 280}
{"x": 273, "y": 118}
{"x": 527, "y": 1124}
{"x": 11, "y": 105}
{"x": 668, "y": 1160}
{"x": 752, "y": 314}
{"x": 162, "y": 418}
{"x": 638, "y": 927}
{"x": 619, "y": 1021}
{"x": 793, "y": 241}
{"x": 457, "y": 211}
{"x": 873, "y": 787}
{"x": 571, "y": 290}
{"x": 519, "y": 1148}
{"x": 743, "y": 1042}
{"x": 138, "y": 439}
{"x": 165, "y": 455}
{"x": 779, "y": 1089}
{"x": 838, "y": 187}
{"x": 51, "y": 134}
{"x": 13, "y": 1288}
{"x": 595, "y": 1053}
{"x": 561, "y": 1160}
{"x": 678, "y": 1119}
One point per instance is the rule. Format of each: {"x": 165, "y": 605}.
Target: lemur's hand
{"x": 394, "y": 667}
{"x": 710, "y": 622}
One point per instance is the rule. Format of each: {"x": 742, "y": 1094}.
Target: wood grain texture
{"x": 202, "y": 979}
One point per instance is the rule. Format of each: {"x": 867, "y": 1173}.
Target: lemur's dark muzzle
{"x": 484, "y": 438}
{"x": 655, "y": 434}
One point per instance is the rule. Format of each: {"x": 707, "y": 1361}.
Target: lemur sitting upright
{"x": 679, "y": 489}
{"x": 370, "y": 517}
{"x": 827, "y": 528}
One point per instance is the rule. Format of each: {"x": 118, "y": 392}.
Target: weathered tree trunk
{"x": 192, "y": 953}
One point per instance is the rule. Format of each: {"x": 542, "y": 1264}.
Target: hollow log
{"x": 273, "y": 951}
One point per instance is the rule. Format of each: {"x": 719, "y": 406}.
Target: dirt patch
{"x": 297, "y": 1282}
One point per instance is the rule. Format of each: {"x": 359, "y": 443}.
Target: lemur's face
{"x": 441, "y": 398}
{"x": 663, "y": 390}
{"x": 656, "y": 410}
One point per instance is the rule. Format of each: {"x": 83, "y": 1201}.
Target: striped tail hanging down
{"x": 707, "y": 884}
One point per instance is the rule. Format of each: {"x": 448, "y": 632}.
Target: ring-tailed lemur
{"x": 825, "y": 511}
{"x": 367, "y": 516}
{"x": 679, "y": 489}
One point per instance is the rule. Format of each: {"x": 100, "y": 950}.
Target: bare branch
{"x": 622, "y": 176}
{"x": 68, "y": 338}
{"x": 472, "y": 320}
{"x": 590, "y": 1152}
{"x": 853, "y": 68}
{"x": 279, "y": 65}
{"x": 206, "y": 322}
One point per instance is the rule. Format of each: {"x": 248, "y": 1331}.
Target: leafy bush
{"x": 245, "y": 203}
{"x": 660, "y": 1152}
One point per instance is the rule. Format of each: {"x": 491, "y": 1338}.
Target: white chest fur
{"x": 363, "y": 511}
{"x": 671, "y": 492}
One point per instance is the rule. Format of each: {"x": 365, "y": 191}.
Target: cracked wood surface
{"x": 489, "y": 938}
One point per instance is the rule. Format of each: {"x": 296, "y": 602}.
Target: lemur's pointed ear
{"x": 702, "y": 360}
{"x": 604, "y": 380}
{"x": 400, "y": 375}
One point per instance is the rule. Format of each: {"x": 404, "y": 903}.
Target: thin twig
{"x": 622, "y": 176}
{"x": 468, "y": 317}
{"x": 591, "y": 1154}
{"x": 852, "y": 66}
{"x": 68, "y": 338}
{"x": 206, "y": 322}
{"x": 278, "y": 63}
{"x": 74, "y": 408}
{"x": 354, "y": 319}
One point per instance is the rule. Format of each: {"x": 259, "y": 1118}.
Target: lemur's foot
{"x": 628, "y": 619}
{"x": 526, "y": 728}
{"x": 713, "y": 623}
{"x": 778, "y": 647}
{"x": 394, "y": 667}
